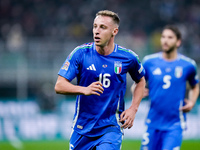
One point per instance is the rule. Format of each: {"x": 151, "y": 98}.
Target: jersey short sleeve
{"x": 69, "y": 69}
{"x": 136, "y": 70}
{"x": 193, "y": 75}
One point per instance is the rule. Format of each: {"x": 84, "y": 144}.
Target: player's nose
{"x": 96, "y": 30}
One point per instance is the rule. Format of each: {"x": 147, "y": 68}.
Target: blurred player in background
{"x": 167, "y": 73}
{"x": 100, "y": 68}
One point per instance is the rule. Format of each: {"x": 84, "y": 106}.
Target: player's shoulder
{"x": 83, "y": 47}
{"x": 79, "y": 50}
{"x": 151, "y": 57}
{"x": 127, "y": 52}
{"x": 186, "y": 59}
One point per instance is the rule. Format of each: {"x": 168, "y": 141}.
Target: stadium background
{"x": 37, "y": 35}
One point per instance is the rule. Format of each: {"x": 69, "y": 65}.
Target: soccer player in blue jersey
{"x": 100, "y": 68}
{"x": 167, "y": 74}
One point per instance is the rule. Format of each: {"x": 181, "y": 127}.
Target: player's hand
{"x": 188, "y": 106}
{"x": 127, "y": 117}
{"x": 94, "y": 88}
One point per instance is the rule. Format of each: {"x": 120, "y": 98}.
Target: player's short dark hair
{"x": 111, "y": 14}
{"x": 175, "y": 30}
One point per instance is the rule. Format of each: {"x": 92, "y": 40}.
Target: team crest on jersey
{"x": 178, "y": 72}
{"x": 66, "y": 65}
{"x": 118, "y": 67}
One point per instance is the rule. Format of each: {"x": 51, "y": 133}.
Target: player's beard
{"x": 170, "y": 50}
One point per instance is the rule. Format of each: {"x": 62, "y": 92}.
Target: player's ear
{"x": 115, "y": 31}
{"x": 178, "y": 43}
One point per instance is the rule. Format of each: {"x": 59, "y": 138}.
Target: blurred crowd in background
{"x": 37, "y": 35}
{"x": 74, "y": 18}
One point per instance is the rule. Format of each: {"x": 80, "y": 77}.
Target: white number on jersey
{"x": 71, "y": 147}
{"x": 166, "y": 80}
{"x": 105, "y": 81}
{"x": 145, "y": 138}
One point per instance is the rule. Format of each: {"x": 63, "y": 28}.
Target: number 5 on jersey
{"x": 166, "y": 80}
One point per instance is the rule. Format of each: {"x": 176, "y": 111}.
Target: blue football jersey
{"x": 167, "y": 88}
{"x": 94, "y": 114}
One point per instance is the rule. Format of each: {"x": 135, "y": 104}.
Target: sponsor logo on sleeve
{"x": 140, "y": 70}
{"x": 66, "y": 65}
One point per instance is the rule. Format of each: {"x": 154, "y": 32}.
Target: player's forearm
{"x": 68, "y": 90}
{"x": 63, "y": 86}
{"x": 138, "y": 93}
{"x": 194, "y": 93}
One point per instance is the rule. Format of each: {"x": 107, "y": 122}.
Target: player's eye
{"x": 94, "y": 26}
{"x": 103, "y": 27}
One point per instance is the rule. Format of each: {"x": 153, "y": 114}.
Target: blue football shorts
{"x": 108, "y": 141}
{"x": 154, "y": 139}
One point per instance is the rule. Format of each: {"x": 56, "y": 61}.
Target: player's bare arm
{"x": 128, "y": 115}
{"x": 190, "y": 102}
{"x": 146, "y": 90}
{"x": 63, "y": 86}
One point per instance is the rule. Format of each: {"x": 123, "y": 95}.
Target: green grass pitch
{"x": 63, "y": 145}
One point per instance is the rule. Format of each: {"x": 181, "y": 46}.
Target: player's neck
{"x": 170, "y": 56}
{"x": 106, "y": 50}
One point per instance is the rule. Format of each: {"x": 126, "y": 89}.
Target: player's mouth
{"x": 96, "y": 39}
{"x": 165, "y": 46}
